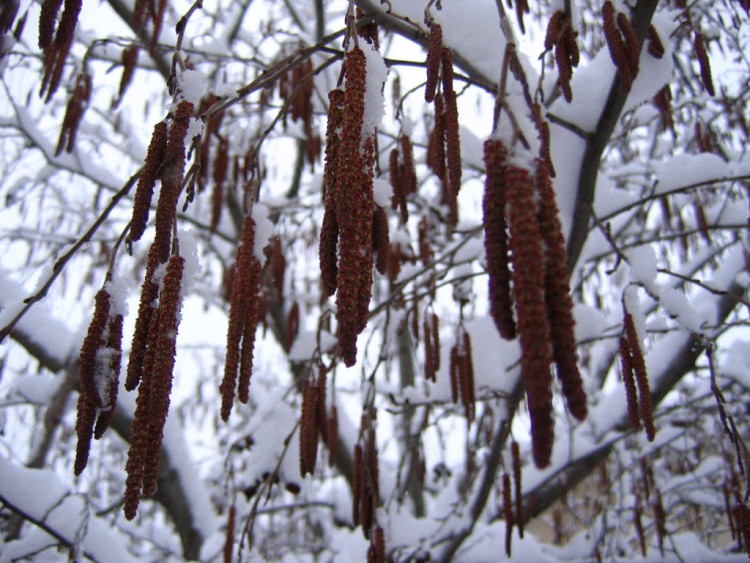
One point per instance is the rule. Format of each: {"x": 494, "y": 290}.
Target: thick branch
{"x": 598, "y": 140}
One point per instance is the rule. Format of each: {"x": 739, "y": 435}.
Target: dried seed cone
{"x": 533, "y": 324}
{"x": 557, "y": 292}
{"x": 496, "y": 239}
{"x": 144, "y": 191}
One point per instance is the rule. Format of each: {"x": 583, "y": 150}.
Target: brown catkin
{"x": 129, "y": 59}
{"x": 354, "y": 211}
{"x": 705, "y": 66}
{"x": 632, "y": 48}
{"x": 357, "y": 483}
{"x": 616, "y": 44}
{"x": 329, "y": 235}
{"x": 244, "y": 314}
{"x": 660, "y": 520}
{"x": 409, "y": 172}
{"x": 146, "y": 309}
{"x": 557, "y": 293}
{"x": 452, "y": 136}
{"x": 74, "y": 111}
{"x": 454, "y": 372}
{"x": 229, "y": 541}
{"x": 533, "y": 322}
{"x": 47, "y": 20}
{"x": 172, "y": 173}
{"x": 380, "y": 241}
{"x": 114, "y": 350}
{"x": 164, "y": 345}
{"x": 435, "y": 45}
{"x": 517, "y": 484}
{"x": 91, "y": 345}
{"x": 436, "y": 148}
{"x": 308, "y": 432}
{"x": 742, "y": 516}
{"x": 638, "y": 523}
{"x": 332, "y": 431}
{"x": 655, "y": 46}
{"x": 68, "y": 21}
{"x": 641, "y": 376}
{"x": 84, "y": 432}
{"x": 507, "y": 513}
{"x": 466, "y": 374}
{"x": 496, "y": 239}
{"x": 629, "y": 380}
{"x": 144, "y": 191}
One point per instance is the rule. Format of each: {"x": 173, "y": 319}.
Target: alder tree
{"x": 374, "y": 280}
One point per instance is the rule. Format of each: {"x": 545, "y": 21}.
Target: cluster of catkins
{"x": 350, "y": 235}
{"x": 152, "y": 356}
{"x": 317, "y": 421}
{"x": 522, "y": 229}
{"x": 634, "y": 373}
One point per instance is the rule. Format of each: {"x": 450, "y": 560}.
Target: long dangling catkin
{"x": 354, "y": 211}
{"x": 452, "y": 137}
{"x": 638, "y": 523}
{"x": 114, "y": 354}
{"x": 380, "y": 240}
{"x": 617, "y": 47}
{"x": 641, "y": 376}
{"x": 90, "y": 386}
{"x": 660, "y": 520}
{"x": 655, "y": 46}
{"x": 332, "y": 431}
{"x": 507, "y": 513}
{"x": 632, "y": 48}
{"x": 74, "y": 111}
{"x": 144, "y": 191}
{"x": 629, "y": 380}
{"x": 517, "y": 485}
{"x": 533, "y": 323}
{"x": 244, "y": 313}
{"x": 705, "y": 66}
{"x": 429, "y": 357}
{"x": 47, "y": 20}
{"x": 557, "y": 293}
{"x": 308, "y": 430}
{"x": 84, "y": 431}
{"x": 172, "y": 174}
{"x": 435, "y": 44}
{"x": 164, "y": 345}
{"x": 496, "y": 239}
{"x": 229, "y": 541}
{"x": 466, "y": 375}
{"x": 454, "y": 372}
{"x": 329, "y": 237}
{"x": 436, "y": 147}
{"x": 357, "y": 472}
{"x": 152, "y": 403}
{"x": 742, "y": 516}
{"x": 146, "y": 309}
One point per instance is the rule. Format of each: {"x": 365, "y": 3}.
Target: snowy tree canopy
{"x": 395, "y": 281}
